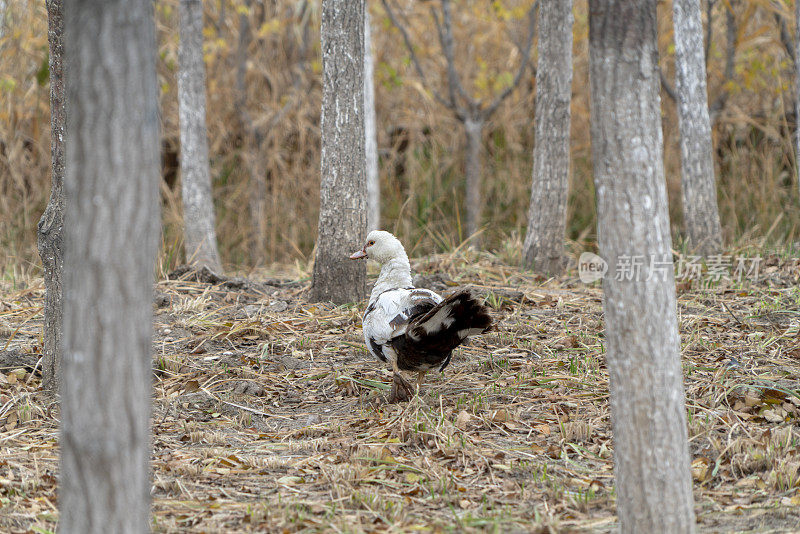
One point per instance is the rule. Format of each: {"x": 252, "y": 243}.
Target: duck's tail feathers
{"x": 450, "y": 322}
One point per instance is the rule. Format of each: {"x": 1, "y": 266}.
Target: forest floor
{"x": 270, "y": 415}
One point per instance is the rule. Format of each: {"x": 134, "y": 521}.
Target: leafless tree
{"x": 651, "y": 457}
{"x": 112, "y": 175}
{"x": 51, "y": 225}
{"x": 698, "y": 181}
{"x": 716, "y": 107}
{"x": 543, "y": 249}
{"x": 797, "y": 88}
{"x": 256, "y": 134}
{"x": 343, "y": 210}
{"x": 370, "y": 130}
{"x": 200, "y": 235}
{"x": 471, "y": 112}
{"x": 255, "y": 138}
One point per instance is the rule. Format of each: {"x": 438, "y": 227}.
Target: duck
{"x": 413, "y": 329}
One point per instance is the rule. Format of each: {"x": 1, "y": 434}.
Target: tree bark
{"x": 200, "y": 237}
{"x": 643, "y": 348}
{"x": 51, "y": 225}
{"x": 543, "y": 249}
{"x": 342, "y": 215}
{"x": 473, "y": 128}
{"x": 370, "y": 130}
{"x": 112, "y": 175}
{"x": 698, "y": 183}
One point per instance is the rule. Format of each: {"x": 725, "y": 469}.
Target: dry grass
{"x": 269, "y": 414}
{"x": 422, "y": 182}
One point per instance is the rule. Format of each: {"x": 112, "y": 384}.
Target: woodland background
{"x": 264, "y": 91}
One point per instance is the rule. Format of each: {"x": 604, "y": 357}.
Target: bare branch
{"x": 414, "y": 60}
{"x": 445, "y": 30}
{"x": 526, "y": 54}
{"x": 451, "y": 93}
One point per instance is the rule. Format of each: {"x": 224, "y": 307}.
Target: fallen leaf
{"x": 773, "y": 416}
{"x": 500, "y": 416}
{"x": 751, "y": 399}
{"x": 462, "y": 419}
{"x": 700, "y": 470}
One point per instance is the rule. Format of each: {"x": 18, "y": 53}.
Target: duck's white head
{"x": 380, "y": 246}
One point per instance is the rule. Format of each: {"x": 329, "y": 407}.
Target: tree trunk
{"x": 543, "y": 249}
{"x": 112, "y": 175}
{"x": 198, "y": 206}
{"x": 700, "y": 212}
{"x": 3, "y": 7}
{"x": 643, "y": 348}
{"x": 51, "y": 225}
{"x": 797, "y": 88}
{"x": 370, "y": 130}
{"x": 474, "y": 130}
{"x": 342, "y": 211}
{"x": 253, "y": 141}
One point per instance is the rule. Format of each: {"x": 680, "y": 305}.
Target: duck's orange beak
{"x": 358, "y": 255}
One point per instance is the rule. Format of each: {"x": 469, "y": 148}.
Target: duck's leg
{"x": 420, "y": 377}
{"x": 401, "y": 389}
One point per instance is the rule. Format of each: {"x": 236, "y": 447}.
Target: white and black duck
{"x": 413, "y": 329}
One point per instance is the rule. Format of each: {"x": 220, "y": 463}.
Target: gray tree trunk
{"x": 3, "y": 7}
{"x": 51, "y": 225}
{"x": 698, "y": 183}
{"x": 643, "y": 348}
{"x": 543, "y": 249}
{"x": 342, "y": 211}
{"x": 112, "y": 175}
{"x": 797, "y": 88}
{"x": 198, "y": 206}
{"x": 370, "y": 130}
{"x": 253, "y": 157}
{"x": 474, "y": 130}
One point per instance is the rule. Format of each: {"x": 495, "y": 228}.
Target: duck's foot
{"x": 401, "y": 389}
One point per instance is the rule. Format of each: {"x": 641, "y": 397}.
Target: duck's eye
{"x": 370, "y": 243}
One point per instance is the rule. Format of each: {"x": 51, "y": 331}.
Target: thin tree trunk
{"x": 543, "y": 249}
{"x": 797, "y": 88}
{"x": 198, "y": 206}
{"x": 370, "y": 130}
{"x": 342, "y": 215}
{"x": 51, "y": 225}
{"x": 474, "y": 129}
{"x": 643, "y": 348}
{"x": 112, "y": 175}
{"x": 3, "y": 7}
{"x": 253, "y": 140}
{"x": 698, "y": 182}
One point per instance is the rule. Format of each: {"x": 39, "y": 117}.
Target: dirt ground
{"x": 269, "y": 414}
